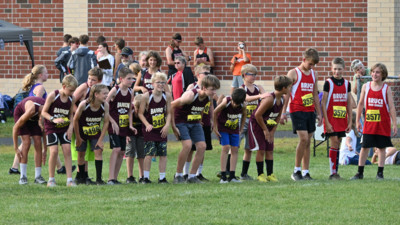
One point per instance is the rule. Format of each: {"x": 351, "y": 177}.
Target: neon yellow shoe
{"x": 262, "y": 178}
{"x": 272, "y": 178}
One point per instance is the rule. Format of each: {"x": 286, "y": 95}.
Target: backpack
{"x": 19, "y": 97}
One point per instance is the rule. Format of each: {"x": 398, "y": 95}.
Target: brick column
{"x": 76, "y": 17}
{"x": 384, "y": 34}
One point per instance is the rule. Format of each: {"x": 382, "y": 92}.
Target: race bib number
{"x": 91, "y": 130}
{"x": 373, "y": 115}
{"x": 206, "y": 108}
{"x": 339, "y": 112}
{"x": 308, "y": 100}
{"x": 232, "y": 124}
{"x": 194, "y": 117}
{"x": 123, "y": 120}
{"x": 158, "y": 121}
{"x": 270, "y": 122}
{"x": 64, "y": 124}
{"x": 250, "y": 109}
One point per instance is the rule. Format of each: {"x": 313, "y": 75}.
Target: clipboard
{"x": 104, "y": 64}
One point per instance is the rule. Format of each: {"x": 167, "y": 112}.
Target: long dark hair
{"x": 105, "y": 45}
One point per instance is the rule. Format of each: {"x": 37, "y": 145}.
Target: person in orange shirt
{"x": 237, "y": 62}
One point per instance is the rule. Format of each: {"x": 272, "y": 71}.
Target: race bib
{"x": 91, "y": 130}
{"x": 64, "y": 124}
{"x": 339, "y": 112}
{"x": 206, "y": 108}
{"x": 194, "y": 117}
{"x": 308, "y": 100}
{"x": 250, "y": 109}
{"x": 123, "y": 120}
{"x": 232, "y": 124}
{"x": 270, "y": 122}
{"x": 373, "y": 115}
{"x": 158, "y": 121}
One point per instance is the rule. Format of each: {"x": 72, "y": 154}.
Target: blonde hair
{"x": 70, "y": 81}
{"x": 136, "y": 100}
{"x": 210, "y": 81}
{"x": 383, "y": 68}
{"x": 135, "y": 67}
{"x": 201, "y": 67}
{"x": 158, "y": 76}
{"x": 248, "y": 68}
{"x": 31, "y": 77}
{"x": 97, "y": 88}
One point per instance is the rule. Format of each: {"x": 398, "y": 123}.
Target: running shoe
{"x": 307, "y": 177}
{"x": 71, "y": 183}
{"x": 202, "y": 178}
{"x": 179, "y": 180}
{"x": 272, "y": 178}
{"x": 40, "y": 180}
{"x": 358, "y": 176}
{"x": 194, "y": 180}
{"x": 262, "y": 178}
{"x": 51, "y": 183}
{"x": 131, "y": 180}
{"x": 163, "y": 181}
{"x": 146, "y": 181}
{"x": 23, "y": 180}
{"x": 13, "y": 171}
{"x": 297, "y": 176}
{"x": 246, "y": 177}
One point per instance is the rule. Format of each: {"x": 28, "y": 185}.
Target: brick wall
{"x": 276, "y": 32}
{"x": 45, "y": 18}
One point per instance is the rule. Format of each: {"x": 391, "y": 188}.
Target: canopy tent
{"x": 12, "y": 33}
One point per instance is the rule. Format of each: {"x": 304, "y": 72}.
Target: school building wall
{"x": 276, "y": 32}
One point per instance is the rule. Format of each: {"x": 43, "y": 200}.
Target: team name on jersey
{"x": 375, "y": 102}
{"x": 61, "y": 111}
{"x": 232, "y": 116}
{"x": 156, "y": 110}
{"x": 307, "y": 86}
{"x": 147, "y": 81}
{"x": 197, "y": 109}
{"x": 339, "y": 97}
{"x": 123, "y": 105}
{"x": 273, "y": 115}
{"x": 255, "y": 102}
{"x": 93, "y": 119}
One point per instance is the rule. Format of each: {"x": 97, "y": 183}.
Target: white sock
{"x": 162, "y": 176}
{"x": 305, "y": 172}
{"x": 23, "y": 167}
{"x": 69, "y": 179}
{"x": 186, "y": 168}
{"x": 52, "y": 179}
{"x": 38, "y": 171}
{"x": 146, "y": 174}
{"x": 192, "y": 175}
{"x": 297, "y": 169}
{"x": 199, "y": 170}
{"x": 179, "y": 175}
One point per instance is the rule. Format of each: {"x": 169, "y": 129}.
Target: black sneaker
{"x": 179, "y": 180}
{"x": 89, "y": 181}
{"x": 163, "y": 181}
{"x": 379, "y": 176}
{"x": 335, "y": 176}
{"x": 185, "y": 177}
{"x": 131, "y": 180}
{"x": 13, "y": 171}
{"x": 146, "y": 181}
{"x": 100, "y": 182}
{"x": 194, "y": 180}
{"x": 202, "y": 178}
{"x": 141, "y": 180}
{"x": 307, "y": 177}
{"x": 80, "y": 181}
{"x": 111, "y": 182}
{"x": 358, "y": 176}
{"x": 117, "y": 182}
{"x": 297, "y": 176}
{"x": 62, "y": 170}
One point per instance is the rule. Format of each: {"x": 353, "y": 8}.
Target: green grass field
{"x": 314, "y": 202}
